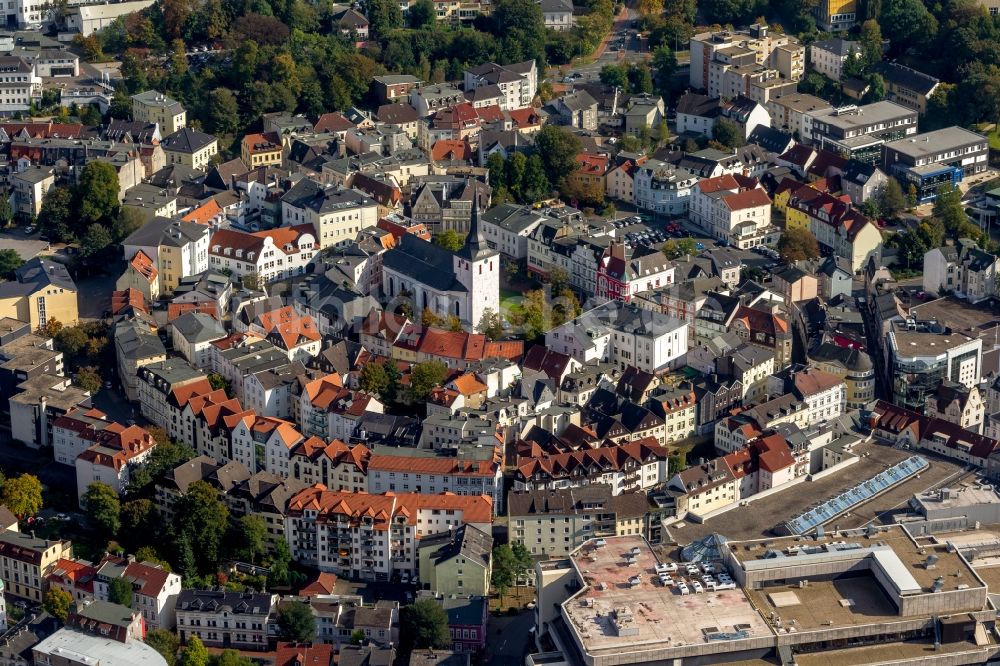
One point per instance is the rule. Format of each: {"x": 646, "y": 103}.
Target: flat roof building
{"x": 858, "y": 597}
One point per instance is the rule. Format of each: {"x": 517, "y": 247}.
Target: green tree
{"x": 950, "y": 211}
{"x": 278, "y": 573}
{"x": 490, "y": 324}
{"x": 296, "y": 622}
{"x": 373, "y": 378}
{"x": 520, "y": 28}
{"x": 891, "y": 200}
{"x": 665, "y": 64}
{"x": 98, "y": 191}
{"x": 127, "y": 221}
{"x": 558, "y": 150}
{"x": 57, "y": 603}
{"x": 202, "y": 518}
{"x": 230, "y": 658}
{"x": 871, "y": 42}
{"x": 6, "y": 214}
{"x": 71, "y": 341}
{"x": 139, "y": 519}
{"x": 88, "y": 379}
{"x": 422, "y": 14}
{"x": 56, "y": 218}
{"x": 517, "y": 165}
{"x": 96, "y": 244}
{"x": 639, "y": 78}
{"x": 450, "y": 239}
{"x": 522, "y": 560}
{"x": 165, "y": 642}
{"x": 504, "y": 569}
{"x": 615, "y": 76}
{"x": 676, "y": 464}
{"x": 22, "y": 495}
{"x": 907, "y": 24}
{"x": 431, "y": 319}
{"x": 424, "y": 377}
{"x": 253, "y": 537}
{"x": 217, "y": 382}
{"x": 728, "y": 134}
{"x": 194, "y": 654}
{"x": 424, "y": 624}
{"x": 10, "y": 261}
{"x": 854, "y": 65}
{"x": 876, "y": 89}
{"x": 682, "y": 247}
{"x": 534, "y": 183}
{"x": 103, "y": 508}
{"x": 497, "y": 166}
{"x": 149, "y": 554}
{"x": 383, "y": 17}
{"x": 797, "y": 244}
{"x": 120, "y": 592}
{"x": 223, "y": 112}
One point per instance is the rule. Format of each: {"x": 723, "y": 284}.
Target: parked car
{"x": 30, "y": 229}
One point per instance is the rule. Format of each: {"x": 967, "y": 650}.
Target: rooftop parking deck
{"x": 626, "y": 606}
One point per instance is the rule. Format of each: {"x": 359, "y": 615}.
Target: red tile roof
{"x": 451, "y": 150}
{"x": 205, "y": 213}
{"x": 747, "y": 199}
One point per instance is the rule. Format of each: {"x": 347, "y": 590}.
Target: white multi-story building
{"x": 734, "y": 209}
{"x": 76, "y": 431}
{"x": 221, "y": 618}
{"x": 963, "y": 269}
{"x": 116, "y": 454}
{"x": 507, "y": 228}
{"x": 371, "y": 537}
{"x": 20, "y": 84}
{"x": 631, "y": 466}
{"x": 517, "y": 83}
{"x": 828, "y": 56}
{"x": 624, "y": 335}
{"x": 662, "y": 188}
{"x": 154, "y": 589}
{"x": 336, "y": 214}
{"x": 274, "y": 254}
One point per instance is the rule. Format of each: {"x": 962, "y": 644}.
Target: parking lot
{"x": 26, "y": 246}
{"x": 757, "y": 519}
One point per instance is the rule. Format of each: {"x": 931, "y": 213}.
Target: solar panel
{"x": 835, "y": 506}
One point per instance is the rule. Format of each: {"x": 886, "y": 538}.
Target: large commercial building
{"x": 859, "y": 131}
{"x": 862, "y": 597}
{"x": 931, "y": 160}
{"x": 923, "y": 354}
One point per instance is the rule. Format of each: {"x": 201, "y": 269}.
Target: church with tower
{"x": 464, "y": 283}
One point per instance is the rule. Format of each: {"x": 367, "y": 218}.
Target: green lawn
{"x": 994, "y": 138}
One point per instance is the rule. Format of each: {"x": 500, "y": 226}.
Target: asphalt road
{"x": 509, "y": 638}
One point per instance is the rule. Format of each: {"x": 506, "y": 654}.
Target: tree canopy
{"x": 424, "y": 624}
{"x": 296, "y": 622}
{"x": 22, "y": 495}
{"x": 103, "y": 508}
{"x": 798, "y": 243}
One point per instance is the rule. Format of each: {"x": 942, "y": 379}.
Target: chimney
{"x": 618, "y": 251}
